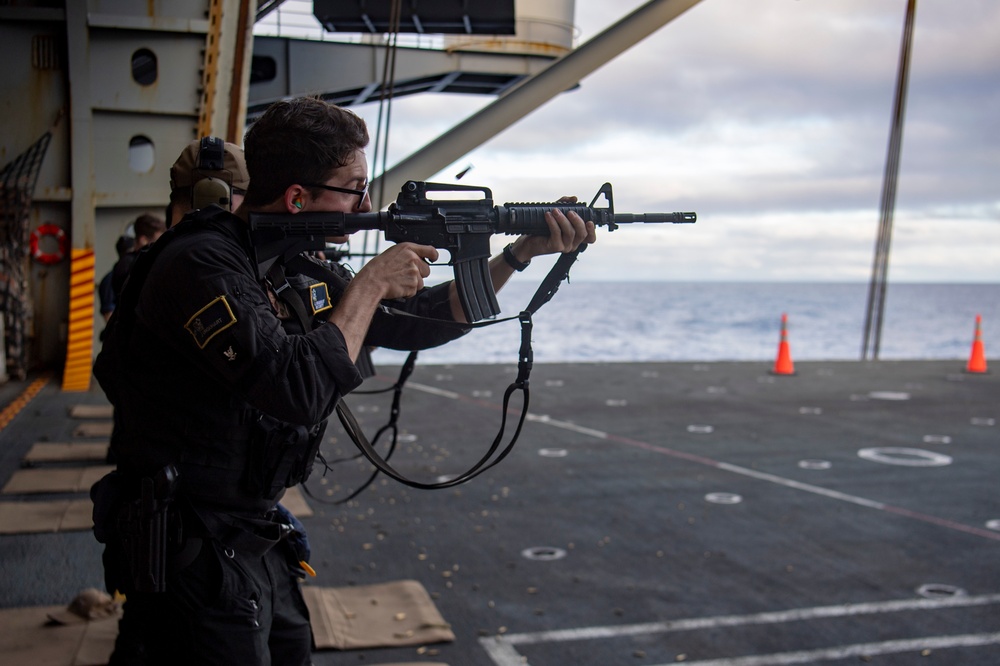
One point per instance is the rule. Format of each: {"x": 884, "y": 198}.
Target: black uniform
{"x": 206, "y": 382}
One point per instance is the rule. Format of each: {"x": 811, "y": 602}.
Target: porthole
{"x": 263, "y": 69}
{"x": 144, "y": 67}
{"x": 141, "y": 154}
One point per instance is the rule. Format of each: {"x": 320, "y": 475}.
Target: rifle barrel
{"x": 647, "y": 218}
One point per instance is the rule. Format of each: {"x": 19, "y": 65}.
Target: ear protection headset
{"x": 211, "y": 190}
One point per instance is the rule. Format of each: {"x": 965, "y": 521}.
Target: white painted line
{"x": 773, "y": 617}
{"x": 501, "y": 652}
{"x": 788, "y": 483}
{"x": 889, "y": 395}
{"x": 566, "y": 425}
{"x": 808, "y": 487}
{"x": 504, "y": 653}
{"x": 434, "y": 391}
{"x": 849, "y": 651}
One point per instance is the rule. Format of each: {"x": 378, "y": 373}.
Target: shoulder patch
{"x": 319, "y": 297}
{"x": 211, "y": 320}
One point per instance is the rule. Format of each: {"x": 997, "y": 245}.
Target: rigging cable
{"x": 380, "y": 154}
{"x": 880, "y": 265}
{"x": 386, "y": 91}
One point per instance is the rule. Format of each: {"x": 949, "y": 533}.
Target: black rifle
{"x": 463, "y": 227}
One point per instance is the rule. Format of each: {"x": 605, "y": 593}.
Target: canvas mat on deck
{"x": 56, "y": 480}
{"x": 28, "y": 638}
{"x": 91, "y": 411}
{"x": 94, "y": 429}
{"x": 54, "y": 516}
{"x": 385, "y": 615}
{"x": 43, "y": 452}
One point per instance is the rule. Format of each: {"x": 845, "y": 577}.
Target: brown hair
{"x": 301, "y": 140}
{"x": 148, "y": 226}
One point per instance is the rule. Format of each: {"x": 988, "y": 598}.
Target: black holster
{"x": 149, "y": 529}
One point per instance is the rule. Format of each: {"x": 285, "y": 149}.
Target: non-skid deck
{"x": 657, "y": 513}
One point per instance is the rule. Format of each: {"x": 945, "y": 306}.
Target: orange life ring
{"x": 52, "y": 231}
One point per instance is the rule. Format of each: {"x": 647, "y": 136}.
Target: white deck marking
{"x": 566, "y": 425}
{"x": 503, "y": 651}
{"x": 772, "y": 617}
{"x": 434, "y": 391}
{"x": 855, "y": 651}
{"x": 736, "y": 469}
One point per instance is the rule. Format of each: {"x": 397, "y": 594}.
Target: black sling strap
{"x": 545, "y": 292}
{"x": 278, "y": 282}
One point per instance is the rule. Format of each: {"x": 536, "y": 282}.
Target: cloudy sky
{"x": 771, "y": 119}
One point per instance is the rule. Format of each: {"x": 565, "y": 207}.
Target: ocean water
{"x": 673, "y": 321}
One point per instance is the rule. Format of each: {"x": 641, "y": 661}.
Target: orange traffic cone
{"x": 977, "y": 359}
{"x": 783, "y": 365}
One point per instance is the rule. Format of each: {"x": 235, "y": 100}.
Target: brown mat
{"x": 386, "y": 615}
{"x": 296, "y": 503}
{"x": 60, "y": 452}
{"x": 57, "y": 480}
{"x": 91, "y": 411}
{"x": 94, "y": 429}
{"x": 37, "y": 517}
{"x": 28, "y": 639}
{"x": 392, "y": 614}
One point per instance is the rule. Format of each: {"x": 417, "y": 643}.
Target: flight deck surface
{"x": 651, "y": 513}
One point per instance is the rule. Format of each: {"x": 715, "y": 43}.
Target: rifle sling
{"x": 545, "y": 292}
{"x": 279, "y": 285}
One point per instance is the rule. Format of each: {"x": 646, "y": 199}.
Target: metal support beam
{"x": 530, "y": 94}
{"x": 83, "y": 225}
{"x": 226, "y": 69}
{"x": 347, "y": 74}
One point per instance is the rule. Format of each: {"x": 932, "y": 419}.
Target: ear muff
{"x": 208, "y": 191}
{"x": 211, "y": 190}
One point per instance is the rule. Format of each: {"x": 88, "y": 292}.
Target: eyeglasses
{"x": 360, "y": 194}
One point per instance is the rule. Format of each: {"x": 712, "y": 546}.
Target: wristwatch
{"x": 508, "y": 256}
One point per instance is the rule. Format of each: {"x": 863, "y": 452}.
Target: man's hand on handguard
{"x": 566, "y": 233}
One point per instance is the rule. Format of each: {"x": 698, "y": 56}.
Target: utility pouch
{"x": 281, "y": 456}
{"x": 107, "y": 496}
{"x": 148, "y": 527}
